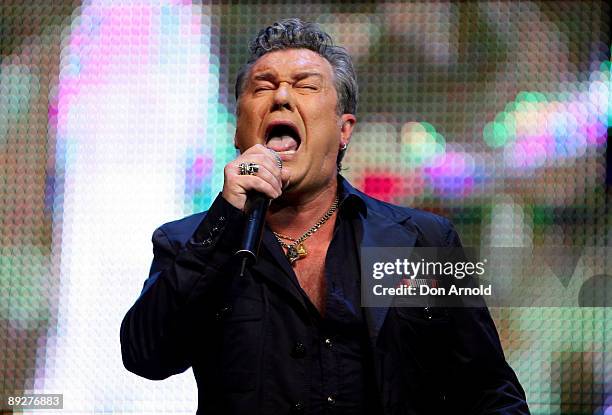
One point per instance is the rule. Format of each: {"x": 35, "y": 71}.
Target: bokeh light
{"x": 118, "y": 116}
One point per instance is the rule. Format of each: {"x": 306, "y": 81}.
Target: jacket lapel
{"x": 379, "y": 228}
{"x": 380, "y": 231}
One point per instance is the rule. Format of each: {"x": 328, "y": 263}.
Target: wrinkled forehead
{"x": 290, "y": 63}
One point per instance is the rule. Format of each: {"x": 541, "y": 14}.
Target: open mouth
{"x": 282, "y": 137}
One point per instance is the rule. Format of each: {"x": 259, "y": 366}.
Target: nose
{"x": 283, "y": 97}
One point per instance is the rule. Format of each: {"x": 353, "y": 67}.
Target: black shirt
{"x": 338, "y": 377}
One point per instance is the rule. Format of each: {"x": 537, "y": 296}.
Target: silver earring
{"x": 344, "y": 147}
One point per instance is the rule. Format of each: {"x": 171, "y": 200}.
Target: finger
{"x": 264, "y": 161}
{"x": 277, "y": 159}
{"x": 266, "y": 170}
{"x": 269, "y": 177}
{"x": 260, "y": 185}
{"x": 268, "y": 153}
{"x": 263, "y": 173}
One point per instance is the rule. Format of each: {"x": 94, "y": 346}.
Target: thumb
{"x": 285, "y": 177}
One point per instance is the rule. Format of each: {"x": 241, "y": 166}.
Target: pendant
{"x": 292, "y": 254}
{"x": 296, "y": 252}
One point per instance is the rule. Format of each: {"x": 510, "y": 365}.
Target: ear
{"x": 347, "y": 122}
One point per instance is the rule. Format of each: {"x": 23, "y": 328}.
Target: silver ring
{"x": 248, "y": 169}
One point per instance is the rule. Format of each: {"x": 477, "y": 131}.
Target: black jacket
{"x": 193, "y": 312}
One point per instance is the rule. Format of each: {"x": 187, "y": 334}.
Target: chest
{"x": 310, "y": 273}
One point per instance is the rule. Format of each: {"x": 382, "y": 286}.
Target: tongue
{"x": 282, "y": 143}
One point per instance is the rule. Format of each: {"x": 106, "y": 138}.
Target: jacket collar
{"x": 351, "y": 198}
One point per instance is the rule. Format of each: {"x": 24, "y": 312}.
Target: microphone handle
{"x": 256, "y": 208}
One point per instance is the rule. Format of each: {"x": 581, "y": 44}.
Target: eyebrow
{"x": 270, "y": 77}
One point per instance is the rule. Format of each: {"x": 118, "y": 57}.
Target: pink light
{"x": 384, "y": 186}
{"x": 451, "y": 174}
{"x": 532, "y": 151}
{"x": 596, "y": 134}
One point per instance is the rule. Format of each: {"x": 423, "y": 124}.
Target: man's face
{"x": 289, "y": 103}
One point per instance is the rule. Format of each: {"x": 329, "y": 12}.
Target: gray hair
{"x": 295, "y": 34}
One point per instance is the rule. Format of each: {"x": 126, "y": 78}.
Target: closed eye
{"x": 308, "y": 86}
{"x": 263, "y": 85}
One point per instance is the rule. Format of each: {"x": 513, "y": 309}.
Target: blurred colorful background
{"x": 118, "y": 116}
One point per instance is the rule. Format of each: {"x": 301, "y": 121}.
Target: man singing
{"x": 290, "y": 336}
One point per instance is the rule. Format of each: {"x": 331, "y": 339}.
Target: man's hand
{"x": 269, "y": 180}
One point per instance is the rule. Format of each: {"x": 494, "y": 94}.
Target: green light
{"x": 496, "y": 134}
{"x": 420, "y": 143}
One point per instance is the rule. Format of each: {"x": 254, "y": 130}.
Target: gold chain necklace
{"x": 297, "y": 250}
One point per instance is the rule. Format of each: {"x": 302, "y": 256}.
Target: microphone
{"x": 256, "y": 208}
